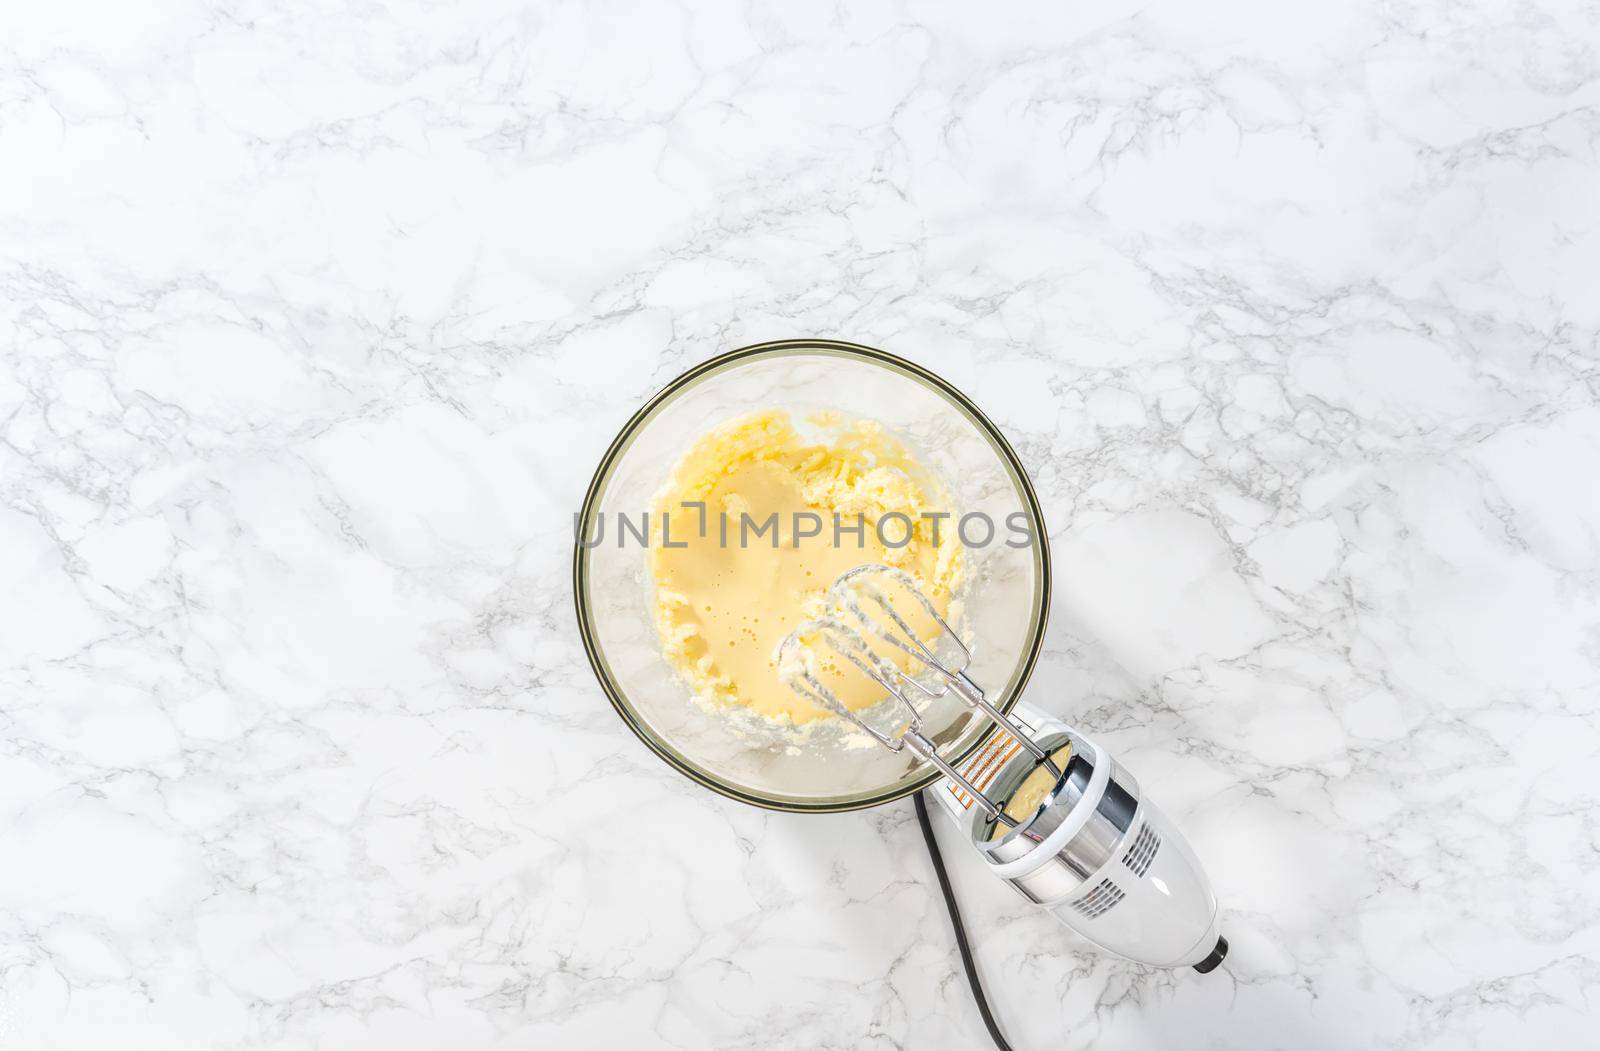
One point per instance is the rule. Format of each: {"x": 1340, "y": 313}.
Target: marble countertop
{"x": 316, "y": 320}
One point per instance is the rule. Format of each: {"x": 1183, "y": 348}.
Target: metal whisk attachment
{"x": 862, "y": 606}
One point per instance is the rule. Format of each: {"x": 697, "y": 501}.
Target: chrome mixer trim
{"x": 1094, "y": 846}
{"x": 1096, "y": 843}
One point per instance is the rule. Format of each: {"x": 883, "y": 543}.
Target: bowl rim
{"x": 624, "y": 439}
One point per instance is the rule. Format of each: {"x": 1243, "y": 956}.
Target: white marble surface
{"x": 315, "y": 320}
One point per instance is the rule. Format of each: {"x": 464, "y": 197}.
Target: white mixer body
{"x": 1152, "y": 902}
{"x": 1102, "y": 858}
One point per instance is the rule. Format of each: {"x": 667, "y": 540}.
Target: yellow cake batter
{"x": 721, "y": 609}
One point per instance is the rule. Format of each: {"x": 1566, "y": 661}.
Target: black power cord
{"x": 955, "y": 921}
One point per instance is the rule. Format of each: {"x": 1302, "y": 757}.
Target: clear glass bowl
{"x": 1005, "y": 598}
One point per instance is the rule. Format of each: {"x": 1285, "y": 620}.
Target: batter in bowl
{"x": 727, "y": 590}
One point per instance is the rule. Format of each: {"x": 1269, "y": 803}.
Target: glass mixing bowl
{"x": 1005, "y": 597}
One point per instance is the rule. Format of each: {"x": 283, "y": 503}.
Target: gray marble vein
{"x": 315, "y": 320}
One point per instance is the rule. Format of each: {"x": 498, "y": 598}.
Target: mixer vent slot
{"x": 1143, "y": 851}
{"x": 1097, "y": 901}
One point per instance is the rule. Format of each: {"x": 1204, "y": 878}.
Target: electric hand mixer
{"x": 1075, "y": 836}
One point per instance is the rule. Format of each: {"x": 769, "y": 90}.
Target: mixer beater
{"x": 846, "y": 631}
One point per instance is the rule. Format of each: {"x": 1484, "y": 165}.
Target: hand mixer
{"x": 1047, "y": 808}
